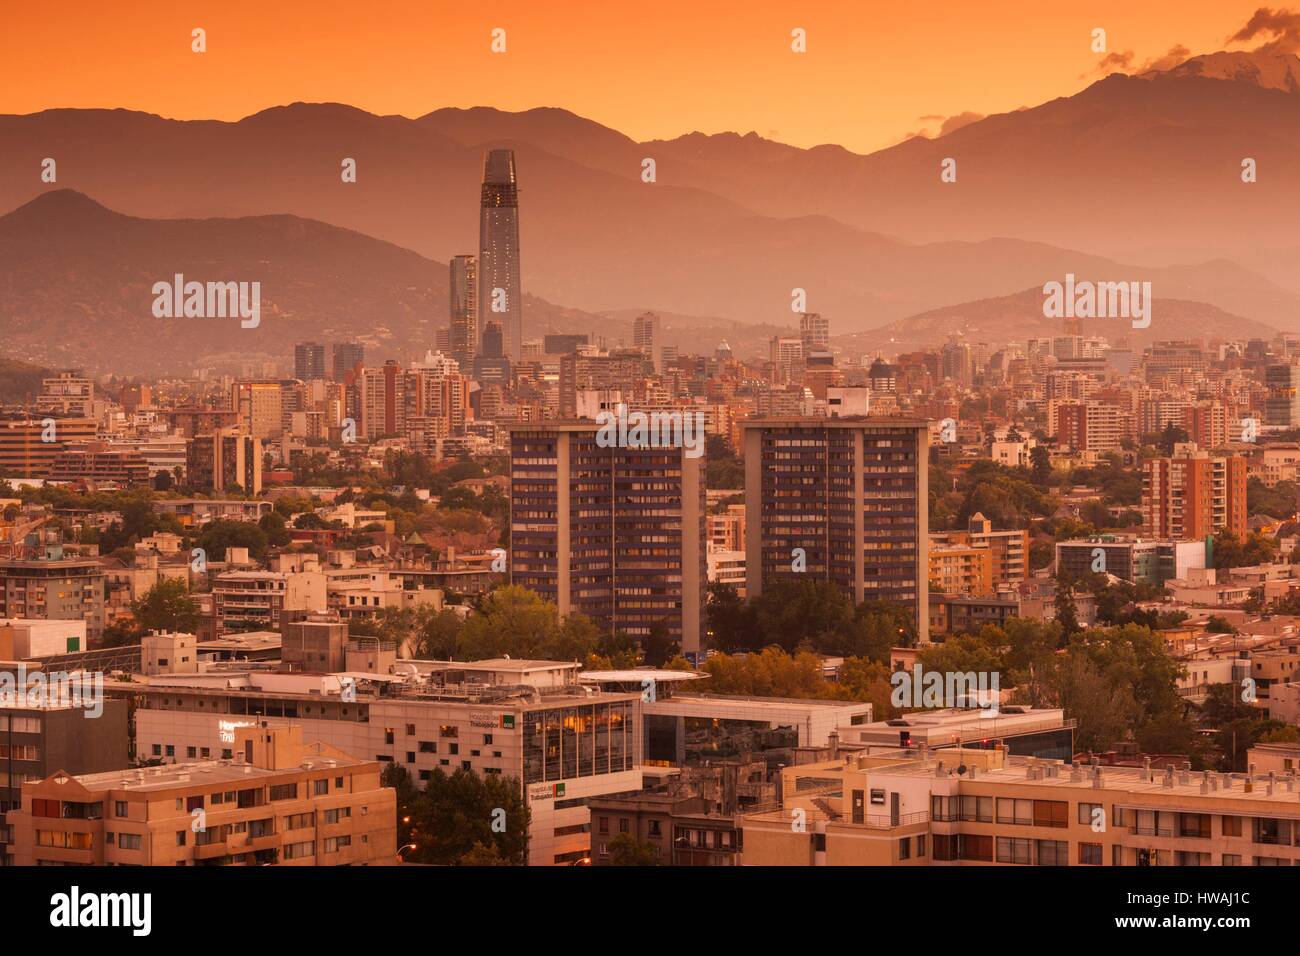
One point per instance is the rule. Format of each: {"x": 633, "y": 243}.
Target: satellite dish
{"x": 961, "y": 769}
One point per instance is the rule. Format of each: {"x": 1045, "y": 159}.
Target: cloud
{"x": 946, "y": 124}
{"x": 1177, "y": 55}
{"x": 1280, "y": 29}
{"x": 1124, "y": 62}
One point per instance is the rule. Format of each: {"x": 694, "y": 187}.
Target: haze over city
{"x": 656, "y": 437}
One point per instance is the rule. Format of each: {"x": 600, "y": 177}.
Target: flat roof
{"x": 204, "y": 771}
{"x": 637, "y": 674}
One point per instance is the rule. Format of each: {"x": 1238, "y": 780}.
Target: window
{"x": 129, "y": 841}
{"x": 1090, "y": 854}
{"x": 180, "y": 837}
{"x": 428, "y": 747}
{"x": 320, "y": 788}
{"x": 191, "y": 752}
{"x": 340, "y": 813}
{"x": 1019, "y": 812}
{"x": 388, "y": 735}
{"x": 487, "y": 740}
{"x": 1232, "y": 826}
{"x": 334, "y": 844}
{"x": 1052, "y": 852}
{"x": 1051, "y": 813}
{"x": 285, "y": 791}
{"x": 973, "y": 847}
{"x": 1194, "y": 825}
{"x": 1013, "y": 850}
{"x": 1087, "y": 811}
{"x": 920, "y": 845}
{"x": 410, "y": 730}
{"x": 977, "y": 809}
{"x": 905, "y": 848}
{"x": 300, "y": 821}
{"x": 623, "y": 825}
{"x": 1232, "y": 859}
{"x": 119, "y": 808}
{"x": 296, "y": 851}
{"x": 448, "y": 730}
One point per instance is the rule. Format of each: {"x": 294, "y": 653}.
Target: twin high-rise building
{"x": 499, "y": 296}
{"x": 347, "y": 356}
{"x": 618, "y": 533}
{"x": 840, "y": 500}
{"x": 615, "y": 533}
{"x": 308, "y": 361}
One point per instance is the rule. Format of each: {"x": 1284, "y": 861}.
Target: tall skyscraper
{"x": 814, "y": 331}
{"x": 347, "y": 356}
{"x": 645, "y": 336}
{"x": 841, "y": 500}
{"x": 499, "y": 296}
{"x": 464, "y": 309}
{"x": 616, "y": 533}
{"x": 308, "y": 361}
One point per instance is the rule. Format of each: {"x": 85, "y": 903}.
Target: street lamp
{"x": 409, "y": 846}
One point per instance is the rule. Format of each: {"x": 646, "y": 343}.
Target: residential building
{"x": 281, "y": 802}
{"x": 616, "y": 533}
{"x": 842, "y": 500}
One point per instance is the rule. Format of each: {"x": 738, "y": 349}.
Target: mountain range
{"x": 1132, "y": 178}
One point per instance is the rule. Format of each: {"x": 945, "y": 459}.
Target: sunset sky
{"x": 873, "y": 73}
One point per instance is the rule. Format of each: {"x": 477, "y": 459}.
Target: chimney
{"x": 1227, "y": 781}
{"x": 1145, "y": 775}
{"x": 1169, "y": 777}
{"x": 939, "y": 770}
{"x": 1096, "y": 778}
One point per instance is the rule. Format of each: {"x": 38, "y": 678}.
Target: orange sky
{"x": 652, "y": 69}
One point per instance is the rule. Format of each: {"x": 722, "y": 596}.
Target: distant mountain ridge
{"x": 1131, "y": 178}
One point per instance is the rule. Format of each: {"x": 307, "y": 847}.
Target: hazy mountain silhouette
{"x": 76, "y": 288}
{"x": 1014, "y": 318}
{"x": 1141, "y": 170}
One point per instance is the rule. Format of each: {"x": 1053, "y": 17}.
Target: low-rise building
{"x": 280, "y": 802}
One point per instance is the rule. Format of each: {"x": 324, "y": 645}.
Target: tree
{"x": 730, "y": 621}
{"x": 221, "y": 534}
{"x": 457, "y": 817}
{"x": 1067, "y": 614}
{"x": 438, "y": 635}
{"x": 167, "y": 606}
{"x": 273, "y": 525}
{"x": 1040, "y": 465}
{"x": 627, "y": 850}
{"x": 512, "y": 620}
{"x": 659, "y": 647}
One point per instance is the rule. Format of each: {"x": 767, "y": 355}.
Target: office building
{"x": 842, "y": 500}
{"x": 499, "y": 295}
{"x": 646, "y": 338}
{"x": 28, "y": 446}
{"x": 520, "y": 719}
{"x": 617, "y": 533}
{"x": 223, "y": 459}
{"x": 1282, "y": 404}
{"x": 97, "y": 463}
{"x": 308, "y": 361}
{"x": 68, "y": 394}
{"x": 463, "y": 334}
{"x": 347, "y": 356}
{"x": 814, "y": 332}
